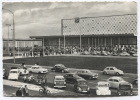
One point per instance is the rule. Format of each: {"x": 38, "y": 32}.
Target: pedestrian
{"x": 23, "y": 65}
{"x": 19, "y": 92}
{"x": 25, "y": 91}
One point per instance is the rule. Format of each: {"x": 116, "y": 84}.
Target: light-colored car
{"x": 23, "y": 71}
{"x": 87, "y": 74}
{"x": 103, "y": 88}
{"x": 104, "y": 53}
{"x": 13, "y": 74}
{"x": 37, "y": 69}
{"x": 115, "y": 81}
{"x": 59, "y": 82}
{"x": 112, "y": 71}
{"x": 124, "y": 54}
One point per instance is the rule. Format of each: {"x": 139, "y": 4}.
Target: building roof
{"x": 92, "y": 35}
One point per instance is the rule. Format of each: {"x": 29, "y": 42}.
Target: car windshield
{"x": 13, "y": 72}
{"x": 103, "y": 85}
{"x": 125, "y": 87}
{"x": 82, "y": 83}
{"x": 59, "y": 78}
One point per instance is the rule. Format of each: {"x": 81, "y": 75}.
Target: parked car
{"x": 41, "y": 80}
{"x": 37, "y": 69}
{"x": 81, "y": 86}
{"x": 102, "y": 88}
{"x": 72, "y": 77}
{"x": 124, "y": 54}
{"x": 87, "y": 74}
{"x": 115, "y": 81}
{"x": 135, "y": 55}
{"x": 59, "y": 82}
{"x": 112, "y": 71}
{"x": 60, "y": 68}
{"x": 29, "y": 79}
{"x": 13, "y": 74}
{"x": 125, "y": 88}
{"x": 4, "y": 73}
{"x": 23, "y": 71}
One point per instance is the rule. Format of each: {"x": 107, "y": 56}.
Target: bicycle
{"x": 44, "y": 92}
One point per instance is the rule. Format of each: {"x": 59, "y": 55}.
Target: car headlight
{"x": 79, "y": 89}
{"x": 98, "y": 92}
{"x": 119, "y": 93}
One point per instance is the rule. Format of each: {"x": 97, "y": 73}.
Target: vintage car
{"x": 103, "y": 88}
{"x": 41, "y": 80}
{"x": 81, "y": 86}
{"x": 13, "y": 74}
{"x": 112, "y": 71}
{"x": 59, "y": 82}
{"x": 60, "y": 68}
{"x": 4, "y": 73}
{"x": 23, "y": 71}
{"x": 28, "y": 78}
{"x": 135, "y": 55}
{"x": 125, "y": 88}
{"x": 124, "y": 54}
{"x": 37, "y": 69}
{"x": 71, "y": 77}
{"x": 115, "y": 81}
{"x": 87, "y": 74}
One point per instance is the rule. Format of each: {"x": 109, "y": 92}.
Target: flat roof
{"x": 92, "y": 35}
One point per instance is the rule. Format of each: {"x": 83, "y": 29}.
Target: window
{"x": 115, "y": 80}
{"x": 111, "y": 68}
{"x": 110, "y": 79}
{"x": 107, "y": 68}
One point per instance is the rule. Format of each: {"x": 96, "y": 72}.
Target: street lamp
{"x": 8, "y": 36}
{"x": 13, "y": 31}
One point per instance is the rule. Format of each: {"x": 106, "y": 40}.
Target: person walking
{"x": 19, "y": 92}
{"x": 25, "y": 91}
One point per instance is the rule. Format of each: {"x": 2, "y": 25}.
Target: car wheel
{"x": 105, "y": 73}
{"x": 39, "y": 72}
{"x": 117, "y": 74}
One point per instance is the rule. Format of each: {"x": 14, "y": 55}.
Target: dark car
{"x": 72, "y": 77}
{"x": 87, "y": 74}
{"x": 125, "y": 88}
{"x": 60, "y": 68}
{"x": 81, "y": 86}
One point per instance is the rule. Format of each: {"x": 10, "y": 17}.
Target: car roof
{"x": 59, "y": 65}
{"x": 81, "y": 79}
{"x": 14, "y": 70}
{"x": 115, "y": 77}
{"x": 59, "y": 76}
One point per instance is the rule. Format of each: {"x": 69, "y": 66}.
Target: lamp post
{"x": 8, "y": 36}
{"x": 13, "y": 31}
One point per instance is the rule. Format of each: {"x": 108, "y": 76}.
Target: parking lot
{"x": 69, "y": 91}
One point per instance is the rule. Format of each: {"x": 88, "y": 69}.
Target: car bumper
{"x": 59, "y": 86}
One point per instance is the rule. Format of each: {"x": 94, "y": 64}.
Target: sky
{"x": 44, "y": 18}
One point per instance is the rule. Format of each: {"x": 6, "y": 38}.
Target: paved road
{"x": 8, "y": 85}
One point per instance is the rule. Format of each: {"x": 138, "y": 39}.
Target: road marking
{"x": 30, "y": 86}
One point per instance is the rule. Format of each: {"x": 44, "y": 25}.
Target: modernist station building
{"x": 104, "y": 31}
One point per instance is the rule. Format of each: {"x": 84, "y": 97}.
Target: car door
{"x": 110, "y": 81}
{"x": 116, "y": 83}
{"x": 111, "y": 71}
{"x": 107, "y": 70}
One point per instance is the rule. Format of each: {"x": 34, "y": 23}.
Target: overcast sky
{"x": 44, "y": 19}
